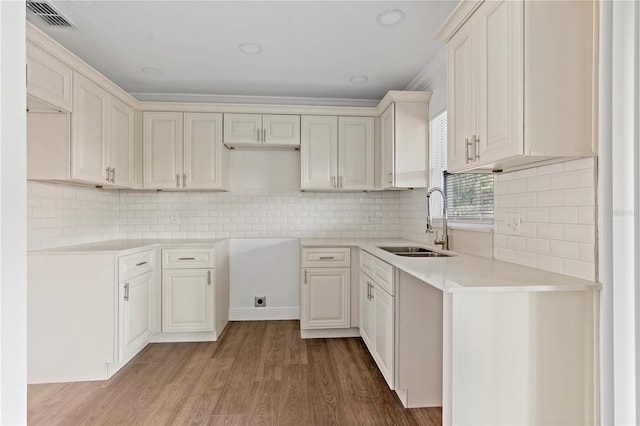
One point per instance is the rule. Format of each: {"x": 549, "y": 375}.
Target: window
{"x": 469, "y": 195}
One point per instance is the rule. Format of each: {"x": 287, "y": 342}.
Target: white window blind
{"x": 469, "y": 195}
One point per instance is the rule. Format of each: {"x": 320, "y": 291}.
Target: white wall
{"x": 619, "y": 212}
{"x": 264, "y": 267}
{"x": 13, "y": 255}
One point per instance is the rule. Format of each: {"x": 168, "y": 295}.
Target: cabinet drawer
{"x": 135, "y": 264}
{"x": 366, "y": 263}
{"x": 326, "y": 256}
{"x": 381, "y": 272}
{"x": 188, "y": 258}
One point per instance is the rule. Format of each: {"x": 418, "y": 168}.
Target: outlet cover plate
{"x": 260, "y": 301}
{"x": 513, "y": 221}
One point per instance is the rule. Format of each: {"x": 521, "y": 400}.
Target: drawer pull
{"x": 186, "y": 258}
{"x": 327, "y": 257}
{"x": 141, "y": 263}
{"x": 126, "y": 292}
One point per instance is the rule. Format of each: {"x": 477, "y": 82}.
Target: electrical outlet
{"x": 260, "y": 301}
{"x": 513, "y": 223}
{"x": 174, "y": 219}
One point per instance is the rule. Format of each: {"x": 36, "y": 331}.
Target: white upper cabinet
{"x": 48, "y": 81}
{"x": 261, "y": 131}
{"x": 404, "y": 138}
{"x": 205, "y": 157}
{"x": 121, "y": 143}
{"x": 89, "y": 151}
{"x": 521, "y": 83}
{"x": 337, "y": 153}
{"x": 184, "y": 151}
{"x": 319, "y": 152}
{"x": 355, "y": 153}
{"x": 162, "y": 150}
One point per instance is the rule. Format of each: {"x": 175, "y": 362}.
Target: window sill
{"x": 466, "y": 226}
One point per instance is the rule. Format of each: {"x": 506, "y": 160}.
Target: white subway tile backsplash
{"x": 557, "y": 206}
{"x": 563, "y": 180}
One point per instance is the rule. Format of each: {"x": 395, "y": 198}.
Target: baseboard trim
{"x": 263, "y": 314}
{"x": 330, "y": 333}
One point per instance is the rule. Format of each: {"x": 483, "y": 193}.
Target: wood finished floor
{"x": 259, "y": 373}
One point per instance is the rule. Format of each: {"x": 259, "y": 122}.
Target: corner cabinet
{"x": 89, "y": 313}
{"x": 184, "y": 151}
{"x": 261, "y": 131}
{"x": 94, "y": 144}
{"x": 404, "y": 136}
{"x": 337, "y": 153}
{"x": 521, "y": 83}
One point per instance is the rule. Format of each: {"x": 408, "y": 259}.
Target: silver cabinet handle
{"x": 477, "y": 147}
{"x": 390, "y": 177}
{"x": 141, "y": 263}
{"x": 258, "y": 135}
{"x": 340, "y": 181}
{"x": 371, "y": 291}
{"x": 264, "y": 135}
{"x": 184, "y": 180}
{"x": 108, "y": 169}
{"x": 113, "y": 175}
{"x": 326, "y": 257}
{"x": 208, "y": 277}
{"x": 186, "y": 258}
{"x": 305, "y": 276}
{"x": 126, "y": 292}
{"x": 177, "y": 181}
{"x": 333, "y": 181}
{"x": 467, "y": 145}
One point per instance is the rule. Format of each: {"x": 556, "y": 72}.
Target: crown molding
{"x": 253, "y": 100}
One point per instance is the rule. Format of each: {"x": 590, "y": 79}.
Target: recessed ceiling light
{"x": 152, "y": 72}
{"x": 250, "y": 48}
{"x": 359, "y": 79}
{"x": 391, "y": 17}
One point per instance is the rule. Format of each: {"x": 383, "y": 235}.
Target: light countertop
{"x": 123, "y": 246}
{"x": 458, "y": 273}
{"x": 462, "y": 272}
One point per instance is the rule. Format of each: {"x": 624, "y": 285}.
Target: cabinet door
{"x": 48, "y": 79}
{"x": 162, "y": 150}
{"x": 89, "y": 136}
{"x": 355, "y": 153}
{"x": 203, "y": 151}
{"x": 281, "y": 130}
{"x": 242, "y": 129}
{"x": 325, "y": 298}
{"x": 366, "y": 311}
{"x": 121, "y": 142}
{"x": 187, "y": 300}
{"x": 384, "y": 333}
{"x": 500, "y": 59}
{"x": 319, "y": 153}
{"x": 135, "y": 315}
{"x": 460, "y": 98}
{"x": 387, "y": 137}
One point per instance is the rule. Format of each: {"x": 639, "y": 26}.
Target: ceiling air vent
{"x": 48, "y": 14}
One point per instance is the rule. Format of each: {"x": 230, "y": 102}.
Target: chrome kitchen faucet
{"x": 444, "y": 241}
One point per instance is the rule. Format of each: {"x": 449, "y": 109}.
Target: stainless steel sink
{"x": 414, "y": 252}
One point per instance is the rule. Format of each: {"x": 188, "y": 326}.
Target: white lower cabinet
{"x": 193, "y": 301}
{"x": 325, "y": 298}
{"x": 135, "y": 315}
{"x": 377, "y": 314}
{"x": 88, "y": 313}
{"x": 187, "y": 303}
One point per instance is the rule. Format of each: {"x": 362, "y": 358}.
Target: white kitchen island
{"x": 491, "y": 341}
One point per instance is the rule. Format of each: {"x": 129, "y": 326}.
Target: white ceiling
{"x": 310, "y": 49}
